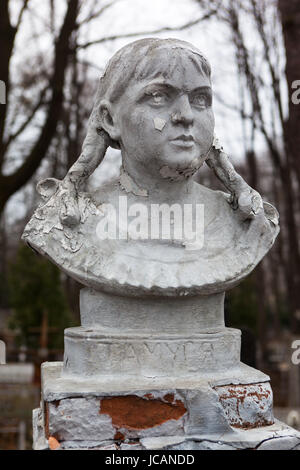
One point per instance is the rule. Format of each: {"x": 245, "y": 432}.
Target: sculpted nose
{"x": 183, "y": 113}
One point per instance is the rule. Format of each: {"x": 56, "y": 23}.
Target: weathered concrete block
{"x": 88, "y": 414}
{"x": 115, "y": 418}
{"x": 247, "y": 406}
{"x": 40, "y": 440}
{"x": 291, "y": 442}
{"x": 95, "y": 353}
{"x": 114, "y": 313}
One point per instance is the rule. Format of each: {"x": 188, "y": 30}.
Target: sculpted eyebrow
{"x": 152, "y": 87}
{"x": 158, "y": 86}
{"x": 167, "y": 86}
{"x": 202, "y": 89}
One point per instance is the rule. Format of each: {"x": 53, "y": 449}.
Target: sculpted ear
{"x": 108, "y": 121}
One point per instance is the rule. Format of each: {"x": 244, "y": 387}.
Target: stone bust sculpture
{"x": 154, "y": 102}
{"x": 152, "y": 364}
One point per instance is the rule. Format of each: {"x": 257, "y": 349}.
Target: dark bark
{"x": 283, "y": 161}
{"x": 13, "y": 182}
{"x": 290, "y": 18}
{"x": 7, "y": 38}
{"x": 64, "y": 47}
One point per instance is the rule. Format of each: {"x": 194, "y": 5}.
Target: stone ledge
{"x": 56, "y": 386}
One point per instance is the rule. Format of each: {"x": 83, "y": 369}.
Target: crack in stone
{"x": 273, "y": 438}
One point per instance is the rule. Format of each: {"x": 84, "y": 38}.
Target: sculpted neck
{"x": 138, "y": 179}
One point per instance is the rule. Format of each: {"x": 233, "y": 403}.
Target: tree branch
{"x": 97, "y": 13}
{"x": 23, "y": 8}
{"x": 145, "y": 33}
{"x": 11, "y": 183}
{"x": 7, "y": 37}
{"x": 260, "y": 21}
{"x": 23, "y": 126}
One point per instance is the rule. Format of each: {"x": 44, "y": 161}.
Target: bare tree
{"x": 266, "y": 118}
{"x": 51, "y": 96}
{"x": 11, "y": 183}
{"x": 48, "y": 102}
{"x": 290, "y": 19}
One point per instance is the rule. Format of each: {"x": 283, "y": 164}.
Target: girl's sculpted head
{"x": 154, "y": 102}
{"x": 142, "y": 59}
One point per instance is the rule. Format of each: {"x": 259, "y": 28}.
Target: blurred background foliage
{"x": 38, "y": 300}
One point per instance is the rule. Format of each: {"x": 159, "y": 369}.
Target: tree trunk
{"x": 9, "y": 184}
{"x": 290, "y": 18}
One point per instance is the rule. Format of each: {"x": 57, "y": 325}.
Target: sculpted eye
{"x": 158, "y": 97}
{"x": 202, "y": 100}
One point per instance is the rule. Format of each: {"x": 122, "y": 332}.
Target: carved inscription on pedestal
{"x": 161, "y": 356}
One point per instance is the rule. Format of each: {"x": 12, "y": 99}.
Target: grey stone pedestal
{"x": 130, "y": 382}
{"x": 189, "y": 415}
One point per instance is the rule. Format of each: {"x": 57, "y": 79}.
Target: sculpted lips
{"x": 183, "y": 140}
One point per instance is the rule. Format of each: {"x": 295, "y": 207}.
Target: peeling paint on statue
{"x": 159, "y": 113}
{"x": 159, "y": 124}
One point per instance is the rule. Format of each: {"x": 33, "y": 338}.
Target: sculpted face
{"x": 164, "y": 120}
